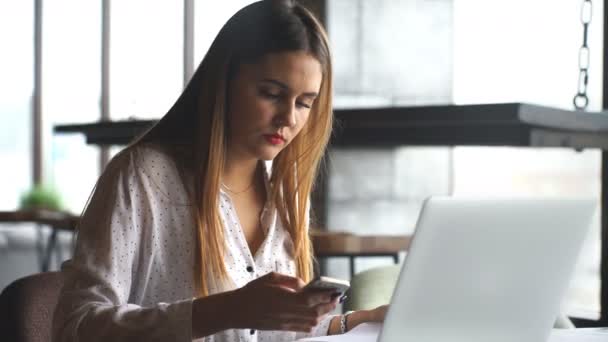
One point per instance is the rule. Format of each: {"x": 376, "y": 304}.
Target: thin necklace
{"x": 255, "y": 175}
{"x": 238, "y": 192}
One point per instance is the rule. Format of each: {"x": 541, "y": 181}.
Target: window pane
{"x": 70, "y": 94}
{"x": 146, "y": 57}
{"x": 16, "y": 86}
{"x": 497, "y": 61}
{"x": 391, "y": 52}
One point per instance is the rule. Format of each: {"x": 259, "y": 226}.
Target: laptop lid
{"x": 487, "y": 270}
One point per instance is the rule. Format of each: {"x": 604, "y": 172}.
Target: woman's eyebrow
{"x": 286, "y": 87}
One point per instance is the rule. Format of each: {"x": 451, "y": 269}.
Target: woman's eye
{"x": 269, "y": 94}
{"x": 303, "y": 105}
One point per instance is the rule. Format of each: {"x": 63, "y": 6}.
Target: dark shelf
{"x": 504, "y": 124}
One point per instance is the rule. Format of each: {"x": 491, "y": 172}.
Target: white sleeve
{"x": 93, "y": 305}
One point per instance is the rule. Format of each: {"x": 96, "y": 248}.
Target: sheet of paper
{"x": 365, "y": 332}
{"x": 579, "y": 335}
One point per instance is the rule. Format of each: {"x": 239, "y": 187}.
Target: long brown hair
{"x": 195, "y": 128}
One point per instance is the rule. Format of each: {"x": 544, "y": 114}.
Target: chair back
{"x": 372, "y": 288}
{"x": 27, "y": 306}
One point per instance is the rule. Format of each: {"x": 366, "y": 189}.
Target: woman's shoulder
{"x": 154, "y": 167}
{"x": 139, "y": 158}
{"x": 153, "y": 158}
{"x": 143, "y": 157}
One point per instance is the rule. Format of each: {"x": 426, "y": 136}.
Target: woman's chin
{"x": 267, "y": 156}
{"x": 268, "y": 152}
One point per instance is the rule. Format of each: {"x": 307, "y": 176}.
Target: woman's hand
{"x": 275, "y": 302}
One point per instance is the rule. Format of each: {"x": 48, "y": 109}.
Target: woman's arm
{"x": 214, "y": 311}
{"x": 271, "y": 302}
{"x": 107, "y": 264}
{"x": 356, "y": 318}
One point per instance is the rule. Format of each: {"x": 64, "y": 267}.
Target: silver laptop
{"x": 487, "y": 270}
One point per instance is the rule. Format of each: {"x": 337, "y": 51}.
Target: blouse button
{"x": 249, "y": 269}
{"x": 251, "y": 332}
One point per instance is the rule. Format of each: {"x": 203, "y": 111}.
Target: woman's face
{"x": 269, "y": 102}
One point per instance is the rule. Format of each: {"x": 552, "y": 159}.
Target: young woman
{"x": 200, "y": 227}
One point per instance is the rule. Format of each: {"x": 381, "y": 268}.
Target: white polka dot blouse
{"x": 132, "y": 274}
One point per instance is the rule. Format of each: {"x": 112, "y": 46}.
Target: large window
{"x": 536, "y": 61}
{"x": 71, "y": 61}
{"x": 146, "y": 57}
{"x": 146, "y": 60}
{"x": 16, "y": 87}
{"x": 523, "y": 51}
{"x": 418, "y": 52}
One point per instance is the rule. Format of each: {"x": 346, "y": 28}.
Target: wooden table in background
{"x": 325, "y": 244}
{"x": 54, "y": 219}
{"x": 339, "y": 244}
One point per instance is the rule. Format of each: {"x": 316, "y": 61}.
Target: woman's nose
{"x": 286, "y": 116}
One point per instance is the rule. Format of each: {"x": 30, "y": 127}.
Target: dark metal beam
{"x": 104, "y": 152}
{"x": 37, "y": 131}
{"x": 604, "y": 182}
{"x": 504, "y": 124}
{"x": 188, "y": 40}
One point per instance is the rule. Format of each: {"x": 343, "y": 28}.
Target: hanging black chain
{"x": 581, "y": 100}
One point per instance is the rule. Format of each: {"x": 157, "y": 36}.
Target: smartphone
{"x": 327, "y": 283}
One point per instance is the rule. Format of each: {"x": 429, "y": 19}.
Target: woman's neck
{"x": 239, "y": 175}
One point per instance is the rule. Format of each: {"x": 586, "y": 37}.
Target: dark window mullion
{"x": 104, "y": 153}
{"x": 188, "y": 40}
{"x": 37, "y": 159}
{"x": 604, "y": 189}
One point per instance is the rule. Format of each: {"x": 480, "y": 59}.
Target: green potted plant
{"x": 41, "y": 197}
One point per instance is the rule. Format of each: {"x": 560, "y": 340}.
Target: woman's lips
{"x": 274, "y": 139}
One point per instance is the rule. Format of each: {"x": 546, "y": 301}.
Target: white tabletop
{"x": 368, "y": 332}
